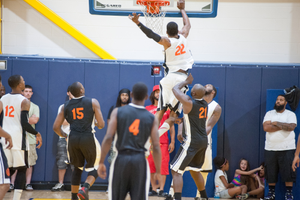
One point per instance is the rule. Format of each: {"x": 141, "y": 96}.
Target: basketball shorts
{"x": 84, "y": 147}
{"x": 165, "y": 158}
{"x": 279, "y": 162}
{"x": 16, "y": 158}
{"x": 32, "y": 155}
{"x": 129, "y": 173}
{"x": 166, "y": 96}
{"x": 190, "y": 158}
{"x": 4, "y": 170}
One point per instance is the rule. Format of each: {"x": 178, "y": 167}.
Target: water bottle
{"x": 217, "y": 193}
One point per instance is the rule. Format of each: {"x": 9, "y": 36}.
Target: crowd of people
{"x": 139, "y": 134}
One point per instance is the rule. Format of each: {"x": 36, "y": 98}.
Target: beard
{"x": 124, "y": 101}
{"x": 208, "y": 92}
{"x": 278, "y": 108}
{"x": 156, "y": 98}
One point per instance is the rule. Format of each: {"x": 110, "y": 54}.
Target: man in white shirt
{"x": 279, "y": 125}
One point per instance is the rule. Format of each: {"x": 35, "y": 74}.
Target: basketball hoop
{"x": 154, "y": 13}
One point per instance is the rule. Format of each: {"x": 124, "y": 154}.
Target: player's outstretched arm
{"x": 60, "y": 118}
{"x": 186, "y": 22}
{"x": 98, "y": 114}
{"x": 156, "y": 145}
{"x": 185, "y": 100}
{"x": 106, "y": 143}
{"x": 296, "y": 160}
{"x": 162, "y": 40}
{"x": 25, "y": 106}
{"x": 213, "y": 119}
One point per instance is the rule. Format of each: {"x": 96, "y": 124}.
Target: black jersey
{"x": 194, "y": 122}
{"x": 133, "y": 128}
{"x": 80, "y": 114}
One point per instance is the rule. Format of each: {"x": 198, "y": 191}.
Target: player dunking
{"x": 129, "y": 171}
{"x": 15, "y": 121}
{"x": 178, "y": 60}
{"x": 80, "y": 113}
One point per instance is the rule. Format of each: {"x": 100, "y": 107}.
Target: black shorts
{"x": 84, "y": 147}
{"x": 129, "y": 172}
{"x": 188, "y": 158}
{"x": 279, "y": 162}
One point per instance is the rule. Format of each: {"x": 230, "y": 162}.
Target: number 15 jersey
{"x": 134, "y": 124}
{"x": 12, "y": 120}
{"x": 178, "y": 55}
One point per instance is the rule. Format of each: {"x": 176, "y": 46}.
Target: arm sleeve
{"x": 25, "y": 125}
{"x": 149, "y": 32}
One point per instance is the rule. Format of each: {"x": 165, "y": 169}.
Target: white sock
{"x": 17, "y": 194}
{"x": 164, "y": 128}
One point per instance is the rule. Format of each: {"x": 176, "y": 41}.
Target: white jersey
{"x": 207, "y": 165}
{"x": 178, "y": 55}
{"x": 12, "y": 120}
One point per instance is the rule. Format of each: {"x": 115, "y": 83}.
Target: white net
{"x": 154, "y": 14}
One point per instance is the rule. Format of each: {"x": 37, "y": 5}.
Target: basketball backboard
{"x": 194, "y": 8}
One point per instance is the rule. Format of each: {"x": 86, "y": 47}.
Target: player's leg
{"x": 76, "y": 159}
{"x": 164, "y": 168}
{"x": 4, "y": 174}
{"x": 153, "y": 178}
{"x": 32, "y": 158}
{"x": 139, "y": 176}
{"x": 20, "y": 162}
{"x": 90, "y": 149}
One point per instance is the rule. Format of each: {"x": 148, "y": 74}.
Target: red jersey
{"x": 164, "y": 138}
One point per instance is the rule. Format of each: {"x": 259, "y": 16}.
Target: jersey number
{"x": 203, "y": 112}
{"x": 134, "y": 127}
{"x": 180, "y": 50}
{"x": 9, "y": 114}
{"x": 79, "y": 113}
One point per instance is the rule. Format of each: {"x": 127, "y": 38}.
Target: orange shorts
{"x": 165, "y": 158}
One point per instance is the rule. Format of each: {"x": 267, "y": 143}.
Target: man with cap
{"x": 122, "y": 100}
{"x": 165, "y": 148}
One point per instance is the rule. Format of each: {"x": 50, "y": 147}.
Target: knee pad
{"x": 76, "y": 176}
{"x": 93, "y": 173}
{"x": 20, "y": 178}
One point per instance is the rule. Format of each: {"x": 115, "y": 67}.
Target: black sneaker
{"x": 83, "y": 193}
{"x": 161, "y": 193}
{"x": 152, "y": 193}
{"x": 271, "y": 196}
{"x": 169, "y": 197}
{"x": 289, "y": 196}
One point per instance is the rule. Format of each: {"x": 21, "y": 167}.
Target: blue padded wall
{"x": 61, "y": 75}
{"x": 242, "y": 111}
{"x": 241, "y": 94}
{"x": 99, "y": 86}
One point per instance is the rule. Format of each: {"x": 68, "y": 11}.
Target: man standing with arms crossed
{"x": 178, "y": 60}
{"x": 15, "y": 122}
{"x": 80, "y": 112}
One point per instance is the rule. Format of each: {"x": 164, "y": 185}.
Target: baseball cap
{"x": 155, "y": 87}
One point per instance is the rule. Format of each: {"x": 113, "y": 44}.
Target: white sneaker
{"x": 58, "y": 187}
{"x": 28, "y": 187}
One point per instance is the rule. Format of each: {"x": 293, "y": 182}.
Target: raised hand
{"x": 134, "y": 18}
{"x": 181, "y": 4}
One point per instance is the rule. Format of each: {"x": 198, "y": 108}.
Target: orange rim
{"x": 153, "y": 6}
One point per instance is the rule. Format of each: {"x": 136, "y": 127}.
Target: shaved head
{"x": 76, "y": 89}
{"x": 198, "y": 91}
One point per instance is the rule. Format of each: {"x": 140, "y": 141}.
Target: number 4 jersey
{"x": 133, "y": 128}
{"x": 12, "y": 120}
{"x": 178, "y": 55}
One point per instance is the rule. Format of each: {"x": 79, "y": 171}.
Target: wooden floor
{"x": 65, "y": 195}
